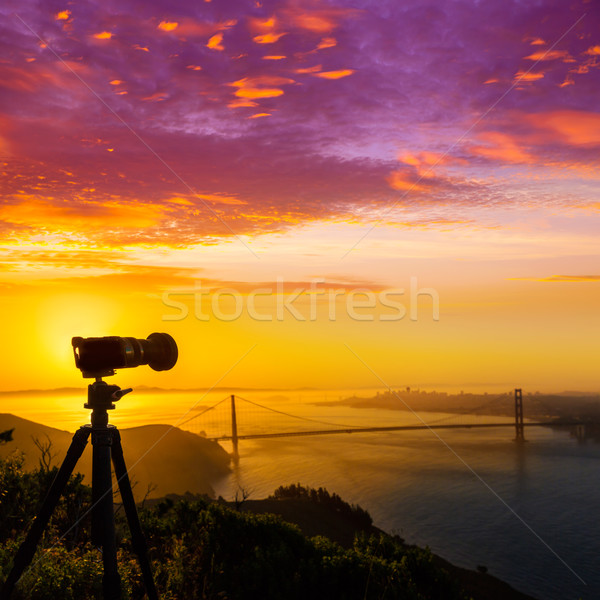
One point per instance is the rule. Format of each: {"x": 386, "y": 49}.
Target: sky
{"x": 303, "y": 193}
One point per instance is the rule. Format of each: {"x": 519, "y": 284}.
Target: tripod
{"x": 106, "y": 443}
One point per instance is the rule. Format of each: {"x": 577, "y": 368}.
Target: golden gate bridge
{"x": 235, "y": 418}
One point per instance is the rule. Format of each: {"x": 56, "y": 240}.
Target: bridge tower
{"x": 234, "y": 432}
{"x": 519, "y": 428}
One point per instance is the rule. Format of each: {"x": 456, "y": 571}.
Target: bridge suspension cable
{"x": 281, "y": 412}
{"x": 468, "y": 411}
{"x": 202, "y": 412}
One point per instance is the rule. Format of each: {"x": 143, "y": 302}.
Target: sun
{"x": 64, "y": 316}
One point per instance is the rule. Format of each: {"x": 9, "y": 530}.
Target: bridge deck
{"x": 255, "y": 436}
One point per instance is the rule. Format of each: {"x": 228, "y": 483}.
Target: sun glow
{"x": 63, "y": 316}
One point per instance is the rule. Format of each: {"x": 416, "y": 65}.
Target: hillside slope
{"x": 314, "y": 519}
{"x": 166, "y": 458}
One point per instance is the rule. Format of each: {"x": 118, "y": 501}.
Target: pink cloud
{"x": 385, "y": 79}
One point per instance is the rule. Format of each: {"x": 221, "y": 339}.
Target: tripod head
{"x": 101, "y": 396}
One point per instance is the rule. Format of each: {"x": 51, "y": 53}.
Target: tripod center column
{"x": 103, "y": 517}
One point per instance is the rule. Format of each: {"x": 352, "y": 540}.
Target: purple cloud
{"x": 299, "y": 110}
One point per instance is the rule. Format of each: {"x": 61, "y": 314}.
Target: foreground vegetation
{"x": 205, "y": 549}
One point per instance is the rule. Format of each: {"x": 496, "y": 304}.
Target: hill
{"x": 161, "y": 458}
{"x": 318, "y": 513}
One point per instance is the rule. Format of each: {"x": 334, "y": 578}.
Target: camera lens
{"x": 160, "y": 351}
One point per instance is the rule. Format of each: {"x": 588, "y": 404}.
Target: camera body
{"x": 100, "y": 356}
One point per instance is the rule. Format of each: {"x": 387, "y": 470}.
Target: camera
{"x": 100, "y": 356}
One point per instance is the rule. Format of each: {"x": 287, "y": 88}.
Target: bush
{"x": 21, "y": 495}
{"x": 71, "y": 575}
{"x": 360, "y": 517}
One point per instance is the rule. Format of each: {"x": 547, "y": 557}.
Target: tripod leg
{"x": 27, "y": 548}
{"x": 137, "y": 536}
{"x": 103, "y": 517}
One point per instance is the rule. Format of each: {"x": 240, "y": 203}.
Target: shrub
{"x": 354, "y": 512}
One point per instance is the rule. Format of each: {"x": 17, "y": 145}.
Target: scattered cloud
{"x": 577, "y": 128}
{"x": 549, "y": 55}
{"x": 314, "y": 69}
{"x": 260, "y": 87}
{"x": 335, "y": 74}
{"x": 423, "y": 172}
{"x": 561, "y": 279}
{"x": 46, "y": 214}
{"x": 322, "y": 20}
{"x": 327, "y": 42}
{"x": 168, "y": 25}
{"x": 156, "y": 97}
{"x": 263, "y": 25}
{"x": 221, "y": 199}
{"x": 527, "y": 76}
{"x": 268, "y": 38}
{"x": 502, "y": 147}
{"x": 215, "y": 42}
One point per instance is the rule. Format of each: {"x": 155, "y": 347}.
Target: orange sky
{"x": 154, "y": 155}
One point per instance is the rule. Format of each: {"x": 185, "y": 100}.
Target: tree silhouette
{"x": 6, "y": 436}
